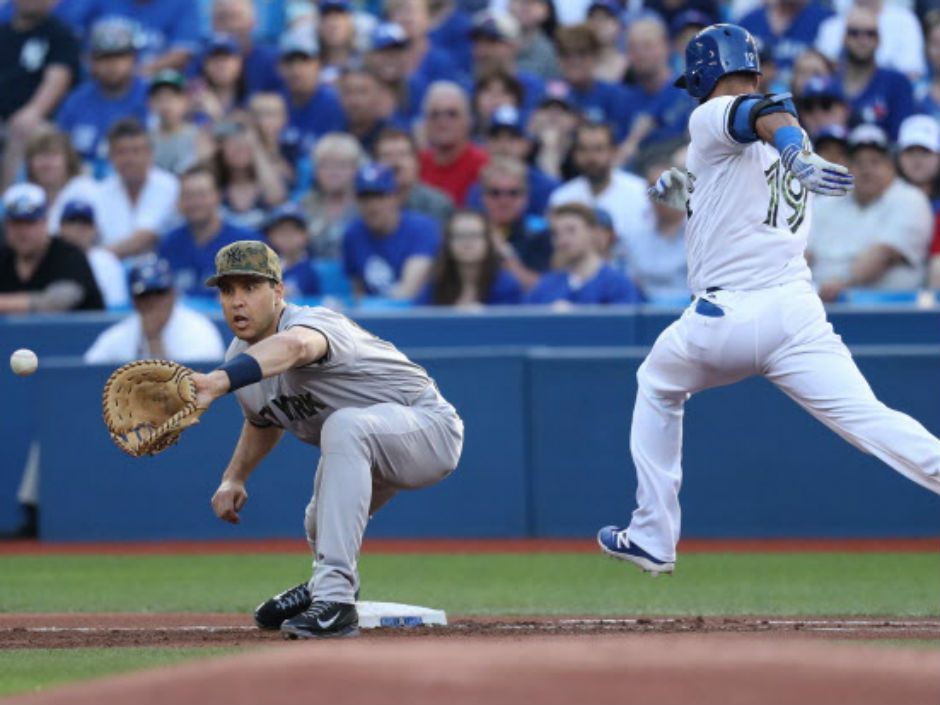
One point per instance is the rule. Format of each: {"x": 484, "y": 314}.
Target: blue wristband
{"x": 789, "y": 141}
{"x": 242, "y": 370}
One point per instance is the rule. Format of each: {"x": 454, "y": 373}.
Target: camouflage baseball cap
{"x": 246, "y": 257}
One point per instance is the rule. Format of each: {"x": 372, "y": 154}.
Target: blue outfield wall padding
{"x": 755, "y": 464}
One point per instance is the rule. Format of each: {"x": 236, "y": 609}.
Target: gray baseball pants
{"x": 366, "y": 456}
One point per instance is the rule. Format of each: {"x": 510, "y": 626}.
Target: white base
{"x": 374, "y": 615}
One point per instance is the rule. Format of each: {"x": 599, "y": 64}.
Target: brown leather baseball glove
{"x": 148, "y": 404}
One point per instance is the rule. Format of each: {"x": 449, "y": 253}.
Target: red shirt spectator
{"x": 450, "y": 162}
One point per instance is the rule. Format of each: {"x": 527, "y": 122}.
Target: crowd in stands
{"x": 428, "y": 152}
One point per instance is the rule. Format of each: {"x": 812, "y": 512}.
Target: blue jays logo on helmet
{"x": 715, "y": 52}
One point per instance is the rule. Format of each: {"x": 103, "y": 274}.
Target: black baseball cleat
{"x": 323, "y": 620}
{"x": 290, "y": 603}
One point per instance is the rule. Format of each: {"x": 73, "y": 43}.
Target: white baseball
{"x": 24, "y": 362}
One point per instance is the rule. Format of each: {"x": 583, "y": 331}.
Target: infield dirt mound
{"x": 632, "y": 668}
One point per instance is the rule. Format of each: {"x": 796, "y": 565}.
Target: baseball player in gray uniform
{"x": 378, "y": 418}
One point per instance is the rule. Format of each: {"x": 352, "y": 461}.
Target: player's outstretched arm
{"x": 254, "y": 443}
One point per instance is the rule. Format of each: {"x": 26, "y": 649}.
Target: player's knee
{"x": 344, "y": 430}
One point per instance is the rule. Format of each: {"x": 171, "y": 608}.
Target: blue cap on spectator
{"x": 335, "y": 6}
{"x": 822, "y": 87}
{"x": 833, "y": 133}
{"x": 150, "y": 274}
{"x": 299, "y": 44}
{"x": 112, "y": 35}
{"x": 286, "y": 212}
{"x": 375, "y": 178}
{"x": 388, "y": 35}
{"x": 611, "y": 6}
{"x": 222, "y": 43}
{"x": 24, "y": 202}
{"x": 557, "y": 93}
{"x": 495, "y": 25}
{"x": 603, "y": 218}
{"x": 506, "y": 117}
{"x": 78, "y": 211}
{"x": 689, "y": 18}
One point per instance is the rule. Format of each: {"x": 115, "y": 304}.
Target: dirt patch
{"x": 76, "y": 630}
{"x": 608, "y": 668}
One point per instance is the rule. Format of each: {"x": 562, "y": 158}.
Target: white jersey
{"x": 749, "y": 218}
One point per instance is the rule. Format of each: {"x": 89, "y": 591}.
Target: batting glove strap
{"x": 815, "y": 173}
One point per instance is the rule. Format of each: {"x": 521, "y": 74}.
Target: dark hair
{"x": 578, "y": 210}
{"x": 126, "y": 128}
{"x": 200, "y": 169}
{"x": 241, "y": 85}
{"x": 592, "y": 125}
{"x": 223, "y": 173}
{"x": 510, "y": 83}
{"x": 445, "y": 278}
{"x": 394, "y": 133}
{"x": 578, "y": 38}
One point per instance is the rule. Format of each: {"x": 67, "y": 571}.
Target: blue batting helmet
{"x": 715, "y": 52}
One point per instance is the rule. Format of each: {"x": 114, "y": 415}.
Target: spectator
{"x": 114, "y": 92}
{"x": 605, "y": 238}
{"x": 682, "y": 27}
{"x": 79, "y": 228}
{"x": 786, "y": 28}
{"x": 506, "y": 137}
{"x": 238, "y": 19}
{"x": 807, "y": 66}
{"x": 388, "y": 252}
{"x": 928, "y": 96}
{"x": 54, "y": 165}
{"x": 449, "y": 30}
{"x": 822, "y": 104}
{"x": 330, "y": 206}
{"x": 933, "y": 271}
{"x": 580, "y": 276}
{"x": 40, "y": 62}
{"x": 901, "y": 45}
{"x": 38, "y": 272}
{"x": 168, "y": 29}
{"x": 919, "y": 156}
{"x": 706, "y": 12}
{"x": 832, "y": 144}
{"x": 621, "y": 194}
{"x": 191, "y": 248}
{"x": 249, "y": 180}
{"x": 286, "y": 233}
{"x": 880, "y": 96}
{"x": 600, "y": 101}
{"x": 388, "y": 58}
{"x": 662, "y": 109}
{"x": 522, "y": 241}
{"x": 536, "y": 50}
{"x": 397, "y": 150}
{"x": 269, "y": 115}
{"x": 160, "y": 327}
{"x": 221, "y": 86}
{"x": 313, "y": 109}
{"x": 655, "y": 256}
{"x": 450, "y": 162}
{"x": 552, "y": 128}
{"x": 605, "y": 19}
{"x": 495, "y": 42}
{"x": 177, "y": 143}
{"x": 422, "y": 57}
{"x": 468, "y": 270}
{"x": 360, "y": 93}
{"x": 336, "y": 34}
{"x": 493, "y": 90}
{"x": 140, "y": 198}
{"x": 874, "y": 256}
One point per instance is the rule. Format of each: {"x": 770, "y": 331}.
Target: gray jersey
{"x": 359, "y": 370}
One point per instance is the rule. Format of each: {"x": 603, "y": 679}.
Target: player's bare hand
{"x": 816, "y": 174}
{"x": 670, "y": 189}
{"x": 210, "y": 387}
{"x": 228, "y": 500}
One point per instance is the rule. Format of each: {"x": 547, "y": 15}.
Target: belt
{"x": 708, "y": 290}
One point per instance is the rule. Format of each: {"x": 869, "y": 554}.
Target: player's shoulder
{"x": 712, "y": 112}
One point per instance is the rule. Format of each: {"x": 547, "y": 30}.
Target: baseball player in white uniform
{"x": 378, "y": 418}
{"x": 748, "y": 188}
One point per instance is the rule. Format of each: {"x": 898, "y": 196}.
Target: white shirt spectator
{"x": 187, "y": 337}
{"x": 900, "y": 44}
{"x": 657, "y": 264}
{"x": 79, "y": 188}
{"x": 842, "y": 230}
{"x": 624, "y": 199}
{"x": 155, "y": 209}
{"x": 110, "y": 276}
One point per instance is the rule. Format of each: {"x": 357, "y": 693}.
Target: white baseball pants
{"x": 780, "y": 333}
{"x": 366, "y": 456}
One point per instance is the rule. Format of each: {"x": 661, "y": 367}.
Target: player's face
{"x": 250, "y": 305}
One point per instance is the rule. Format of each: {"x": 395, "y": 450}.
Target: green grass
{"x": 704, "y": 584}
{"x": 27, "y": 670}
